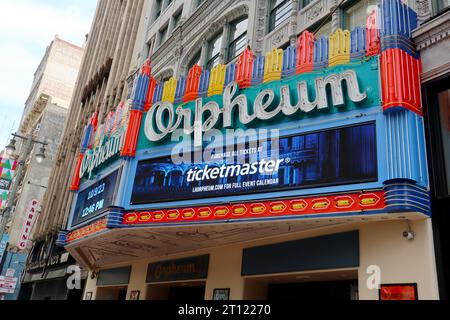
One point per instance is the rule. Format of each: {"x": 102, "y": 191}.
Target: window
{"x": 195, "y": 60}
{"x": 304, "y": 3}
{"x": 356, "y": 15}
{"x": 198, "y": 3}
{"x": 163, "y": 35}
{"x": 176, "y": 19}
{"x": 158, "y": 7}
{"x": 280, "y": 12}
{"x": 238, "y": 38}
{"x": 214, "y": 51}
{"x": 440, "y": 5}
{"x": 150, "y": 47}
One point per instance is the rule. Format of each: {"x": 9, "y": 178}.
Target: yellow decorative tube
{"x": 170, "y": 87}
{"x": 273, "y": 65}
{"x": 339, "y": 47}
{"x": 217, "y": 80}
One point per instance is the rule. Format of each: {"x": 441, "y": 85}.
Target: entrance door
{"x": 112, "y": 293}
{"x": 327, "y": 291}
{"x": 437, "y": 115}
{"x": 320, "y": 285}
{"x": 182, "y": 291}
{"x": 189, "y": 294}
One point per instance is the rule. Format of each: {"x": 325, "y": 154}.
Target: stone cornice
{"x": 432, "y": 31}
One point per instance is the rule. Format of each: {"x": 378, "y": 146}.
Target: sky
{"x": 27, "y": 27}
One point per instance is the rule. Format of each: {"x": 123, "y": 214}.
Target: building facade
{"x": 101, "y": 84}
{"x": 263, "y": 150}
{"x": 43, "y": 119}
{"x": 432, "y": 39}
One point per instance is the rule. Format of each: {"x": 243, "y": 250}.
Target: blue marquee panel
{"x": 406, "y": 154}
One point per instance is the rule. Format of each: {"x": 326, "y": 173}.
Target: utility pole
{"x": 29, "y": 143}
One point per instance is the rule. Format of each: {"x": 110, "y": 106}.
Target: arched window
{"x": 356, "y": 15}
{"x": 195, "y": 60}
{"x": 158, "y": 7}
{"x": 214, "y": 51}
{"x": 238, "y": 38}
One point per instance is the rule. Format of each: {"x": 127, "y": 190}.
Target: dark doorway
{"x": 122, "y": 295}
{"x": 437, "y": 124}
{"x": 188, "y": 294}
{"x": 327, "y": 291}
{"x": 75, "y": 294}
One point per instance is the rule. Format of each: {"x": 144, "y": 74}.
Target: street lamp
{"x": 11, "y": 147}
{"x": 40, "y": 157}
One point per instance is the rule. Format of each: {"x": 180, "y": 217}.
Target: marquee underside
{"x": 119, "y": 246}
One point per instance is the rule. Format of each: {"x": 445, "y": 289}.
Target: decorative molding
{"x": 423, "y": 9}
{"x": 435, "y": 73}
{"x": 434, "y": 31}
{"x": 277, "y": 37}
{"x": 260, "y": 25}
{"x": 336, "y": 20}
{"x": 313, "y": 13}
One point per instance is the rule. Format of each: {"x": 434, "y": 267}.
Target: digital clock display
{"x": 94, "y": 200}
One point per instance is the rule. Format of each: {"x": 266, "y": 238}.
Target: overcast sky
{"x": 26, "y": 28}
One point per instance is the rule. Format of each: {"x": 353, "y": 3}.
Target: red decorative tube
{"x": 373, "y": 45}
{"x": 150, "y": 92}
{"x": 305, "y": 53}
{"x": 400, "y": 79}
{"x": 244, "y": 69}
{"x": 132, "y": 134}
{"x": 192, "y": 83}
{"x": 75, "y": 186}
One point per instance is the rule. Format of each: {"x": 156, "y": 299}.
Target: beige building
{"x": 43, "y": 120}
{"x": 44, "y": 117}
{"x": 100, "y": 85}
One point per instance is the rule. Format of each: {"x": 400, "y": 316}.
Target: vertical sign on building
{"x": 30, "y": 218}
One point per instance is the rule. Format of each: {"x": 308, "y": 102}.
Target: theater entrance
{"x": 327, "y": 286}
{"x": 179, "y": 292}
{"x": 117, "y": 293}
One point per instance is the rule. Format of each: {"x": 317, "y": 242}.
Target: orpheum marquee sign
{"x": 333, "y": 156}
{"x": 163, "y": 118}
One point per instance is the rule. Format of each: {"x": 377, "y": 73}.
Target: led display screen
{"x": 327, "y": 158}
{"x": 94, "y": 200}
